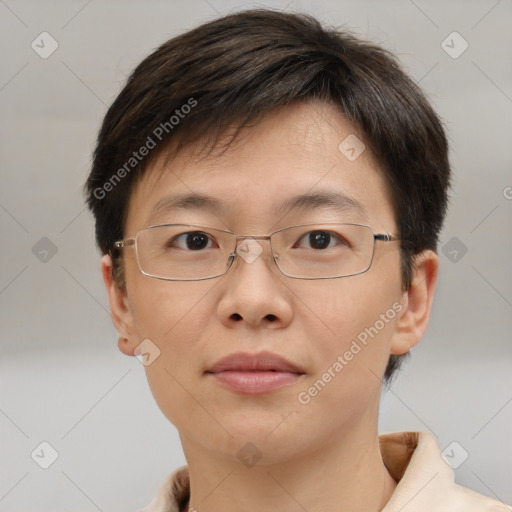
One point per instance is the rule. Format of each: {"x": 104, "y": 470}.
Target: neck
{"x": 346, "y": 474}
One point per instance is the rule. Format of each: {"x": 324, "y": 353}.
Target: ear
{"x": 119, "y": 308}
{"x": 417, "y": 303}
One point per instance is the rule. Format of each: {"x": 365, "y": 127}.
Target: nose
{"x": 254, "y": 289}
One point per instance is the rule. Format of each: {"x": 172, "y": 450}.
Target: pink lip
{"x": 255, "y": 373}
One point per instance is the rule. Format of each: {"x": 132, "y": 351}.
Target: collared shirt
{"x": 426, "y": 481}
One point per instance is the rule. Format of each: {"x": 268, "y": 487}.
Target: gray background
{"x": 62, "y": 378}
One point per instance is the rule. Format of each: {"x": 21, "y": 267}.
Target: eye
{"x": 192, "y": 240}
{"x": 320, "y": 239}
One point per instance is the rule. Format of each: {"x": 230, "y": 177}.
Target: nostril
{"x": 271, "y": 317}
{"x": 236, "y": 316}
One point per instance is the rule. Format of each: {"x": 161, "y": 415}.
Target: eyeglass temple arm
{"x": 386, "y": 238}
{"x": 124, "y": 243}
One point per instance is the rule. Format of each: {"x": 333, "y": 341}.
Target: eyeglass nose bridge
{"x": 251, "y": 256}
{"x": 254, "y": 237}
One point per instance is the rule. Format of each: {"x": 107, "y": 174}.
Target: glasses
{"x": 190, "y": 252}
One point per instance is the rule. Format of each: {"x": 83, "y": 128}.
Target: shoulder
{"x": 173, "y": 493}
{"x": 425, "y": 481}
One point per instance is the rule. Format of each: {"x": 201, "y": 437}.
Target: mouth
{"x": 252, "y": 374}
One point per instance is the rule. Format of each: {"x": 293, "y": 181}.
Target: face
{"x": 336, "y": 331}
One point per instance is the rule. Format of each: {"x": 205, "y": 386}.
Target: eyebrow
{"x": 327, "y": 199}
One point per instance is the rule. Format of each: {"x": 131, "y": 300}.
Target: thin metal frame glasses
{"x": 158, "y": 257}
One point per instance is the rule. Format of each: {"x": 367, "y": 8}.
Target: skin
{"x": 320, "y": 456}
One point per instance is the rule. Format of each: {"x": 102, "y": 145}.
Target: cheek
{"x": 174, "y": 317}
{"x": 356, "y": 317}
{"x": 169, "y": 312}
{"x": 351, "y": 349}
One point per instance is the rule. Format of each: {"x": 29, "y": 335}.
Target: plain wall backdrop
{"x": 63, "y": 380}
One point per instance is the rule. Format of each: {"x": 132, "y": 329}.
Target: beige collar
{"x": 425, "y": 481}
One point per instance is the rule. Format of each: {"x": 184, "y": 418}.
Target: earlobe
{"x": 119, "y": 309}
{"x": 125, "y": 346}
{"x": 417, "y": 303}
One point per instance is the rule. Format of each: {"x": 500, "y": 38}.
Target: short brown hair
{"x": 235, "y": 69}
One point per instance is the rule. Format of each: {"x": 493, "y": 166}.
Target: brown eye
{"x": 193, "y": 241}
{"x": 320, "y": 239}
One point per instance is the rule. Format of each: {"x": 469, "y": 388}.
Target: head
{"x": 253, "y": 109}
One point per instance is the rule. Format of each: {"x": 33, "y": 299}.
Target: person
{"x": 268, "y": 194}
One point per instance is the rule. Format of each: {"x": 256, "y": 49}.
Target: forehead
{"x": 298, "y": 159}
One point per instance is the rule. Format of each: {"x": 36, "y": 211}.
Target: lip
{"x": 261, "y": 361}
{"x": 255, "y": 373}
